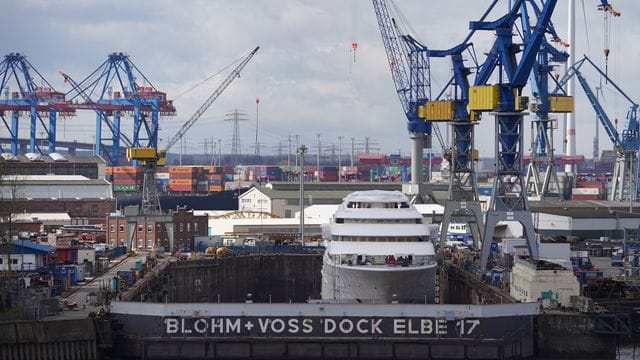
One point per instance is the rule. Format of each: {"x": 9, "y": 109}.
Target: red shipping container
{"x": 584, "y": 197}
{"x": 125, "y": 182}
{"x": 590, "y": 184}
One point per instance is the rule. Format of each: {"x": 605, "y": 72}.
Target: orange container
{"x": 126, "y": 169}
{"x": 186, "y": 182}
{"x": 215, "y": 188}
{"x": 184, "y": 169}
{"x": 109, "y": 170}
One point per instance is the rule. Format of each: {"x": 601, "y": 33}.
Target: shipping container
{"x": 126, "y": 169}
{"x": 584, "y": 197}
{"x": 586, "y": 191}
{"x": 181, "y": 188}
{"x": 125, "y": 188}
{"x": 591, "y": 184}
{"x": 182, "y": 175}
{"x": 329, "y": 176}
{"x": 215, "y": 188}
{"x": 187, "y": 182}
{"x": 185, "y": 169}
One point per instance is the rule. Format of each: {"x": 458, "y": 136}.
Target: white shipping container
{"x": 162, "y": 175}
{"x": 585, "y": 191}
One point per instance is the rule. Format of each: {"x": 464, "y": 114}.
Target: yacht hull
{"x": 345, "y": 284}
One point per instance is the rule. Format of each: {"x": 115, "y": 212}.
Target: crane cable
{"x": 586, "y": 30}
{"x": 209, "y": 77}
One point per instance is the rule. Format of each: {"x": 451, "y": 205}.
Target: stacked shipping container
{"x": 126, "y": 178}
{"x": 589, "y": 190}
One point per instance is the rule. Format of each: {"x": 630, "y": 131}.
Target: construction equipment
{"x": 462, "y": 204}
{"x": 625, "y": 182}
{"x": 508, "y": 200}
{"x": 542, "y": 158}
{"x": 151, "y": 157}
{"x": 409, "y": 67}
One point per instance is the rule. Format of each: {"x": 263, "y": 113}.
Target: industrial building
{"x": 586, "y": 219}
{"x": 544, "y": 281}
{"x": 149, "y": 233}
{"x": 283, "y": 198}
{"x": 24, "y": 255}
{"x": 92, "y": 167}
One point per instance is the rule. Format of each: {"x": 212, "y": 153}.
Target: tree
{"x": 9, "y": 194}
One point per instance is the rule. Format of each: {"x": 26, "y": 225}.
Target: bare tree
{"x": 9, "y": 194}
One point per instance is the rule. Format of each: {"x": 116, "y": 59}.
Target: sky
{"x": 308, "y": 80}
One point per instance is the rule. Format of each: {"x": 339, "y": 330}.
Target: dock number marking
{"x": 467, "y": 326}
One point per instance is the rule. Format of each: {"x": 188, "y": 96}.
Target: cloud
{"x": 304, "y": 73}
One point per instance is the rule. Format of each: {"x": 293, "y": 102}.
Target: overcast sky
{"x": 305, "y": 76}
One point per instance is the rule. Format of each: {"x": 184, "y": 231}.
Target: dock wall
{"x": 58, "y": 339}
{"x": 268, "y": 278}
{"x": 571, "y": 336}
{"x": 323, "y": 331}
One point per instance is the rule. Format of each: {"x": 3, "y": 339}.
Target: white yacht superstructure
{"x": 378, "y": 251}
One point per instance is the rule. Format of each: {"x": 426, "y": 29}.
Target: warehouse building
{"x": 283, "y": 198}
{"x": 585, "y": 219}
{"x": 92, "y": 167}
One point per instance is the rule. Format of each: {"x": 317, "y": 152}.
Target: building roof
{"x": 31, "y": 247}
{"x": 43, "y": 217}
{"x": 56, "y": 187}
{"x": 586, "y": 208}
{"x": 295, "y": 194}
{"x": 348, "y": 186}
{"x": 55, "y": 159}
{"x": 334, "y": 190}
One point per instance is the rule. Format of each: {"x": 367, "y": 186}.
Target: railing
{"x": 383, "y": 260}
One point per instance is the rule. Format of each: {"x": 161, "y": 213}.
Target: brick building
{"x": 186, "y": 226}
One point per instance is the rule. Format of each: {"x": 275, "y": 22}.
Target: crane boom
{"x": 212, "y": 98}
{"x": 91, "y": 105}
{"x": 409, "y": 69}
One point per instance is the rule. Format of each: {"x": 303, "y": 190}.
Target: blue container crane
{"x": 112, "y": 90}
{"x": 26, "y": 96}
{"x": 626, "y": 144}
